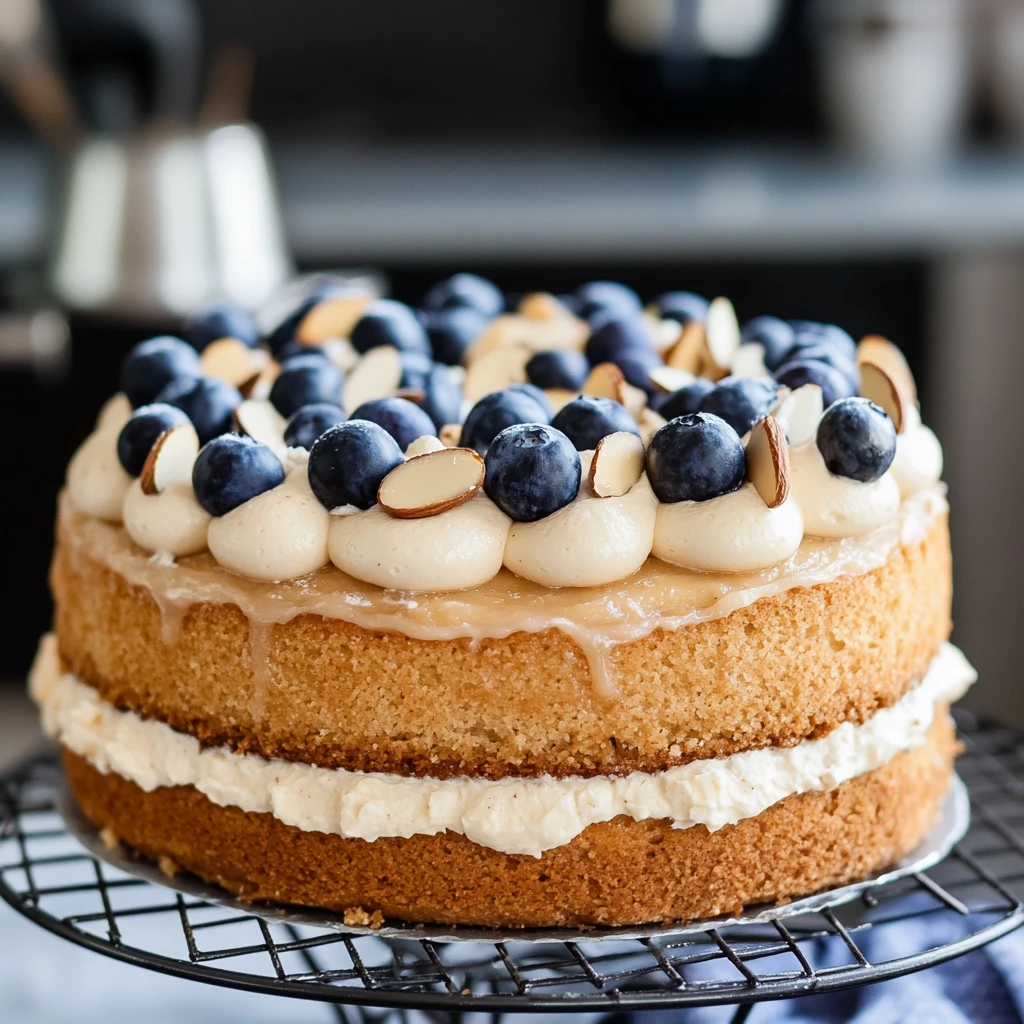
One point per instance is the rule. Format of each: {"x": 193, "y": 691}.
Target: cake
{"x": 561, "y": 611}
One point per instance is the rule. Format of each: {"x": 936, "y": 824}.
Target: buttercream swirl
{"x": 96, "y": 479}
{"x": 918, "y": 462}
{"x": 171, "y": 522}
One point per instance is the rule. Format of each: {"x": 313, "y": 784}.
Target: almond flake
{"x": 495, "y": 371}
{"x": 450, "y": 434}
{"x": 604, "y": 381}
{"x": 376, "y": 375}
{"x": 688, "y": 352}
{"x": 232, "y": 360}
{"x": 424, "y": 446}
{"x": 260, "y": 385}
{"x": 262, "y": 422}
{"x": 670, "y": 378}
{"x": 800, "y": 413}
{"x": 170, "y": 459}
{"x": 542, "y": 306}
{"x": 559, "y": 397}
{"x": 617, "y": 465}
{"x": 650, "y": 422}
{"x": 415, "y": 395}
{"x": 749, "y": 361}
{"x": 429, "y": 484}
{"x": 633, "y": 398}
{"x": 501, "y": 332}
{"x": 334, "y": 317}
{"x": 880, "y": 388}
{"x": 878, "y": 350}
{"x": 665, "y": 333}
{"x": 768, "y": 461}
{"x": 721, "y": 337}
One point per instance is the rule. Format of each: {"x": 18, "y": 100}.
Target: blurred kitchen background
{"x": 852, "y": 161}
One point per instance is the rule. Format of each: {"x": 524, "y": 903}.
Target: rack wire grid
{"x": 969, "y": 899}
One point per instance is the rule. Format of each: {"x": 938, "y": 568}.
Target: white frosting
{"x": 590, "y": 542}
{"x": 115, "y": 413}
{"x": 424, "y": 446}
{"x": 515, "y": 816}
{"x": 171, "y": 522}
{"x": 278, "y": 535}
{"x": 834, "y": 506}
{"x": 457, "y": 549}
{"x": 97, "y": 481}
{"x": 734, "y": 532}
{"x": 918, "y": 462}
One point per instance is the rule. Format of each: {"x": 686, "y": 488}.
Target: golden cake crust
{"x": 784, "y": 669}
{"x": 619, "y": 872}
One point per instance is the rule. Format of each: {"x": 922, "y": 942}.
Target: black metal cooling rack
{"x": 969, "y": 899}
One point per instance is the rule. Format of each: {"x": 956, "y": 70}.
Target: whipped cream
{"x": 591, "y": 542}
{"x": 96, "y": 479}
{"x": 735, "y": 532}
{"x": 455, "y": 550}
{"x": 171, "y": 522}
{"x": 514, "y": 816}
{"x": 834, "y": 506}
{"x": 918, "y": 461}
{"x": 278, "y": 535}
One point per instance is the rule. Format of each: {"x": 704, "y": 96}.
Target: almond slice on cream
{"x": 880, "y": 388}
{"x": 542, "y": 306}
{"x": 170, "y": 460}
{"x": 604, "y": 381}
{"x": 232, "y": 360}
{"x": 688, "y": 352}
{"x": 721, "y": 338}
{"x": 429, "y": 484}
{"x": 262, "y": 422}
{"x": 800, "y": 413}
{"x": 873, "y": 348}
{"x": 376, "y": 375}
{"x": 494, "y": 371}
{"x": 618, "y": 463}
{"x": 768, "y": 461}
{"x": 333, "y": 318}
{"x": 670, "y": 378}
{"x": 450, "y": 435}
{"x": 259, "y": 385}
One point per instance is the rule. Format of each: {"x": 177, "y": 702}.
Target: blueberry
{"x": 694, "y": 458}
{"x": 636, "y": 365}
{"x": 856, "y": 439}
{"x": 139, "y": 434}
{"x": 303, "y": 380}
{"x": 681, "y": 306}
{"x": 286, "y": 330}
{"x": 452, "y": 331}
{"x": 739, "y": 401}
{"x": 538, "y": 396}
{"x": 402, "y": 419}
{"x": 442, "y": 396}
{"x": 775, "y": 336}
{"x": 221, "y": 321}
{"x": 606, "y": 297}
{"x": 819, "y": 352}
{"x": 231, "y": 469}
{"x": 206, "y": 401}
{"x": 687, "y": 399}
{"x": 559, "y": 368}
{"x": 392, "y": 323}
{"x": 809, "y": 332}
{"x": 416, "y": 368}
{"x": 305, "y": 425}
{"x": 585, "y": 420}
{"x": 294, "y": 348}
{"x": 833, "y": 383}
{"x": 615, "y": 337}
{"x": 348, "y": 462}
{"x": 496, "y": 411}
{"x": 466, "y": 290}
{"x": 531, "y": 470}
{"x": 151, "y": 365}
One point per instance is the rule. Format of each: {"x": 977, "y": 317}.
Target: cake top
{"x": 568, "y": 438}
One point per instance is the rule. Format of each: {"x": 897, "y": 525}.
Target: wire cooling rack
{"x": 969, "y": 899}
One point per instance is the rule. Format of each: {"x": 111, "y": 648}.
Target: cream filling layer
{"x": 515, "y": 816}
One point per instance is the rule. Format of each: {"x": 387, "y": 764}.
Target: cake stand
{"x": 929, "y": 912}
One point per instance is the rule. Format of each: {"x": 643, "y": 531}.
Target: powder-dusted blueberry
{"x": 151, "y": 365}
{"x": 452, "y": 331}
{"x": 856, "y": 439}
{"x": 694, "y": 458}
{"x": 687, "y": 399}
{"x": 304, "y": 380}
{"x": 392, "y": 323}
{"x": 616, "y": 337}
{"x": 531, "y": 470}
{"x": 808, "y": 332}
{"x": 597, "y": 297}
{"x": 537, "y": 395}
{"x": 466, "y": 290}
{"x": 348, "y": 462}
{"x": 402, "y": 419}
{"x": 139, "y": 434}
{"x": 206, "y": 401}
{"x": 305, "y": 425}
{"x": 586, "y": 419}
{"x": 558, "y": 368}
{"x": 442, "y": 396}
{"x": 496, "y": 411}
{"x": 834, "y": 383}
{"x": 231, "y": 469}
{"x": 225, "y": 320}
{"x": 775, "y": 336}
{"x": 681, "y": 306}
{"x": 740, "y": 401}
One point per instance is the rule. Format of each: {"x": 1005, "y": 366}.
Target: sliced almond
{"x": 604, "y": 381}
{"x": 688, "y": 352}
{"x": 799, "y": 413}
{"x": 880, "y": 388}
{"x": 415, "y": 395}
{"x": 450, "y": 434}
{"x": 170, "y": 460}
{"x": 617, "y": 464}
{"x": 665, "y": 333}
{"x": 542, "y": 306}
{"x": 768, "y": 461}
{"x": 495, "y": 371}
{"x": 633, "y": 398}
{"x": 424, "y": 446}
{"x": 262, "y": 422}
{"x": 670, "y": 378}
{"x": 430, "y": 484}
{"x": 650, "y": 422}
{"x": 259, "y": 386}
{"x": 721, "y": 338}
{"x": 376, "y": 375}
{"x": 334, "y": 317}
{"x": 559, "y": 397}
{"x": 749, "y": 361}
{"x": 232, "y": 360}
{"x": 500, "y": 332}
{"x": 878, "y": 350}
{"x": 341, "y": 352}
{"x": 556, "y": 333}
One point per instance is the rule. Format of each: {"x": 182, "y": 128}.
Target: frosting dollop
{"x": 834, "y": 506}
{"x": 457, "y": 549}
{"x": 172, "y": 521}
{"x": 278, "y": 535}
{"x": 735, "y": 532}
{"x": 918, "y": 462}
{"x": 96, "y": 479}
